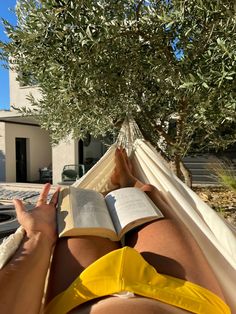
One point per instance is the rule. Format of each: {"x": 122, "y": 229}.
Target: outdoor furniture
{"x": 72, "y": 172}
{"x": 45, "y": 175}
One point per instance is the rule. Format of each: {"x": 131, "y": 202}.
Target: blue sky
{"x": 6, "y": 13}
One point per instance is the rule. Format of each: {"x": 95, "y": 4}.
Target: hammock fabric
{"x": 216, "y": 238}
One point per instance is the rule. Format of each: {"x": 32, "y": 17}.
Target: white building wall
{"x": 38, "y": 150}
{"x": 18, "y": 94}
{"x": 40, "y": 154}
{"x": 2, "y": 152}
{"x": 65, "y": 153}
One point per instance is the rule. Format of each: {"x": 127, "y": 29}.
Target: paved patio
{"x": 27, "y": 192}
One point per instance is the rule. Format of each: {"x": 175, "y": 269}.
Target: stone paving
{"x": 8, "y": 195}
{"x": 26, "y": 192}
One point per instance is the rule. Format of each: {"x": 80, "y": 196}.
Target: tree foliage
{"x": 162, "y": 62}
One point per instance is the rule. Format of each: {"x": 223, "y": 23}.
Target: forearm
{"x": 22, "y": 280}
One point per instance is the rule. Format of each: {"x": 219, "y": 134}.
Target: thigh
{"x": 166, "y": 247}
{"x": 169, "y": 246}
{"x": 71, "y": 256}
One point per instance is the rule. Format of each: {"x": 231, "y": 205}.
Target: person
{"x": 166, "y": 273}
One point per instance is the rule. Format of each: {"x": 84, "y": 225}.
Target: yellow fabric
{"x": 126, "y": 270}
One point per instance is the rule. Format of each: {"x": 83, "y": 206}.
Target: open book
{"x": 87, "y": 212}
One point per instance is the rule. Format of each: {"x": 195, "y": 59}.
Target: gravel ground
{"x": 220, "y": 199}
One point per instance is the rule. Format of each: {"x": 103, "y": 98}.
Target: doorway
{"x": 21, "y": 160}
{"x": 81, "y": 151}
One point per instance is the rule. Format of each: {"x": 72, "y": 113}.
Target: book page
{"x": 89, "y": 209}
{"x": 64, "y": 215}
{"x": 130, "y": 205}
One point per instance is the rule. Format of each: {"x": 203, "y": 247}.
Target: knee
{"x": 148, "y": 188}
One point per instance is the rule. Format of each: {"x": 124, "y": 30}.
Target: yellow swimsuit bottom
{"x": 126, "y": 270}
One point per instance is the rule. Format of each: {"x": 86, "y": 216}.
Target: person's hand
{"x": 42, "y": 218}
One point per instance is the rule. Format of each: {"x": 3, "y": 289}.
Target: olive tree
{"x": 170, "y": 64}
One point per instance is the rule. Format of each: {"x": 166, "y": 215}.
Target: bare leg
{"x": 71, "y": 256}
{"x": 166, "y": 244}
{"x": 75, "y": 254}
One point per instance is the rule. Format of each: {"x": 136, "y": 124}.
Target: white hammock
{"x": 216, "y": 238}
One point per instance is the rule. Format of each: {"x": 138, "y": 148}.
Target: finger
{"x": 20, "y": 209}
{"x": 54, "y": 198}
{"x": 43, "y": 195}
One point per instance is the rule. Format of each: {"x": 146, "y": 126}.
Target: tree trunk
{"x": 181, "y": 171}
{"x": 186, "y": 174}
{"x": 177, "y": 161}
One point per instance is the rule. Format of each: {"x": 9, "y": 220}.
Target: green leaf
{"x": 204, "y": 84}
{"x": 186, "y": 85}
{"x": 88, "y": 32}
{"x": 97, "y": 61}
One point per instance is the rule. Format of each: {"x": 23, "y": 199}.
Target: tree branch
{"x": 138, "y": 9}
{"x": 163, "y": 133}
